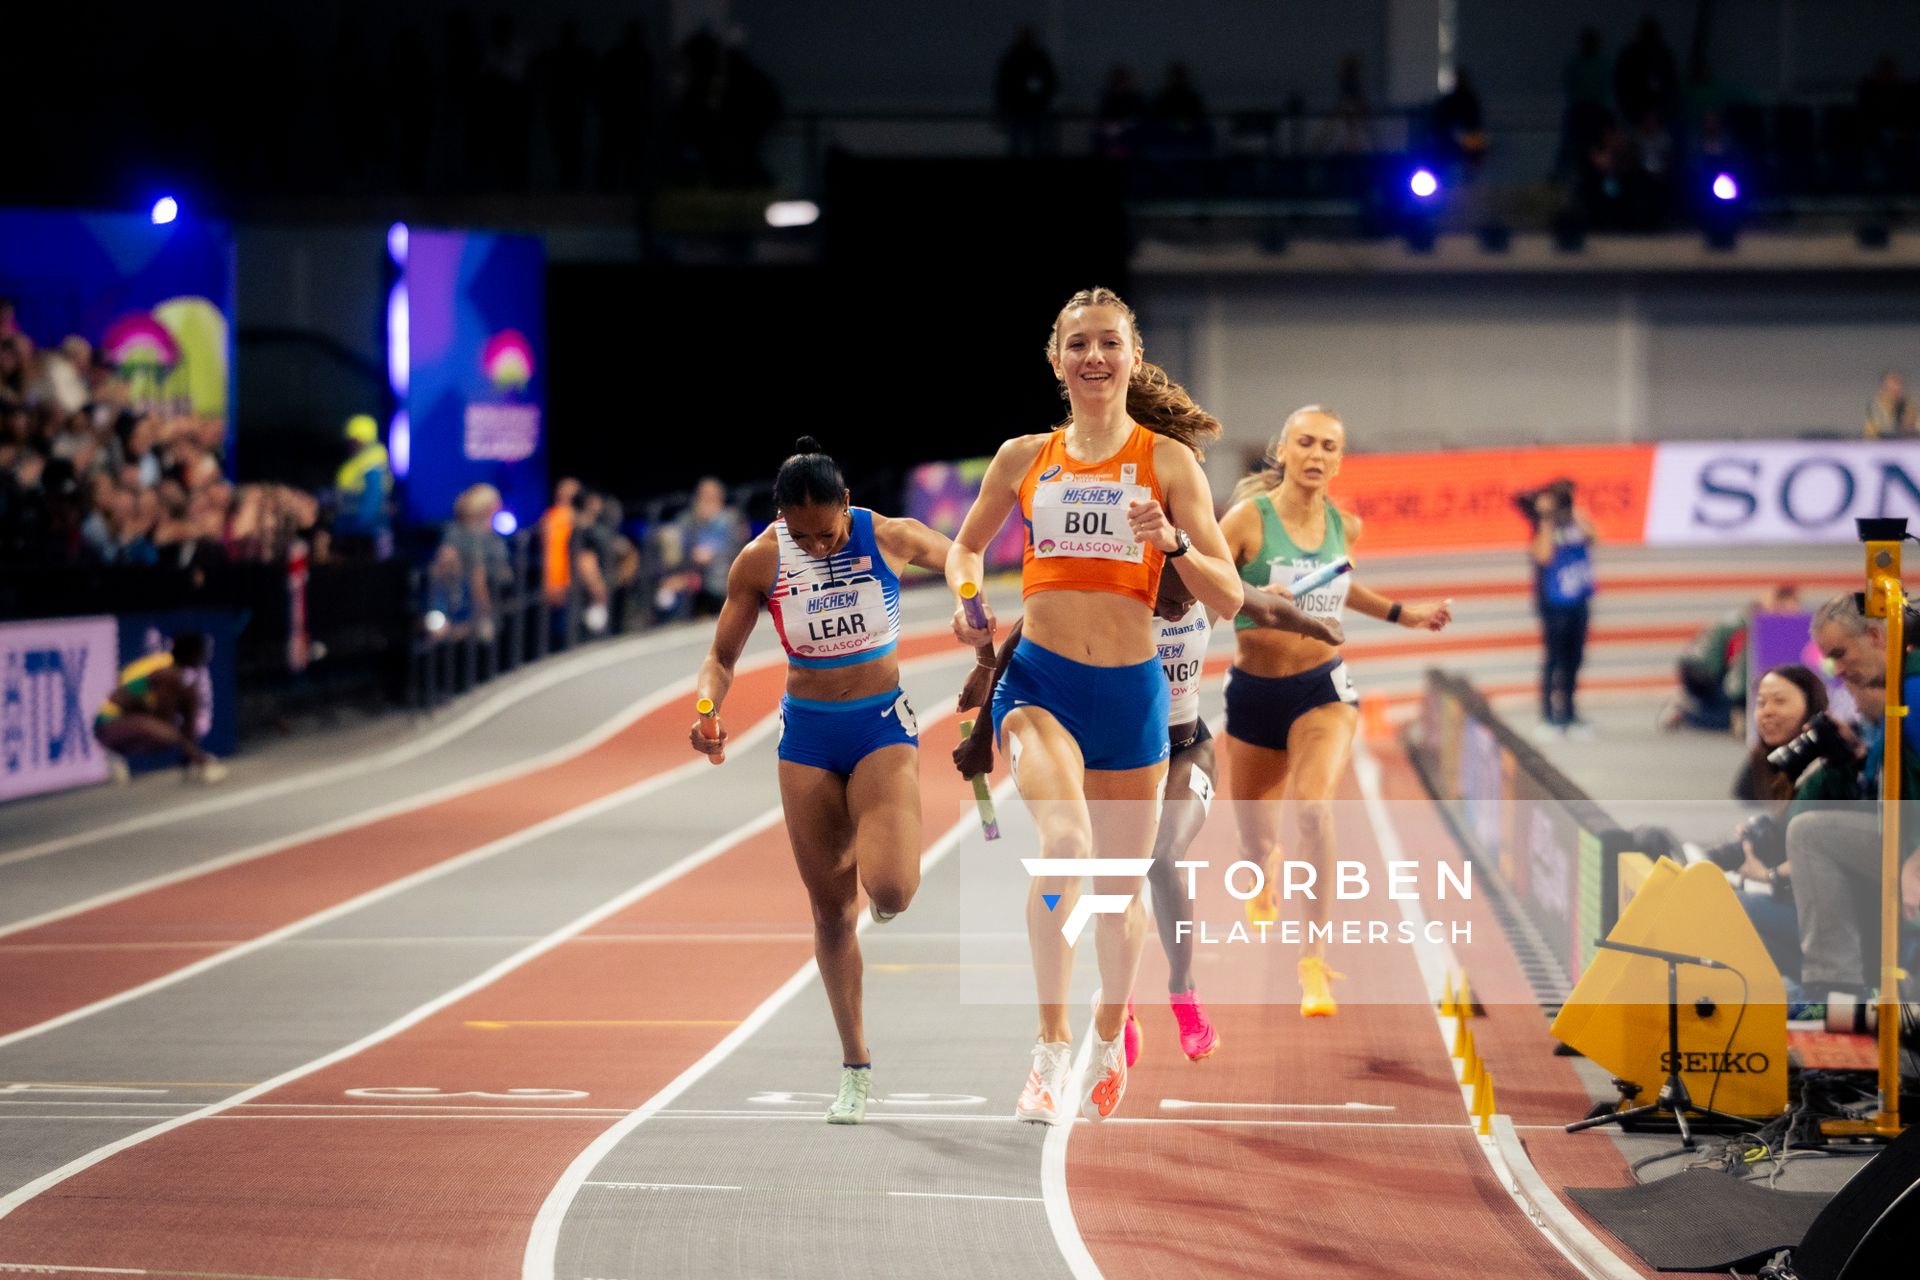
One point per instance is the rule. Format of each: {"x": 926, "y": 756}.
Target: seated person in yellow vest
{"x": 361, "y": 486}
{"x": 157, "y": 708}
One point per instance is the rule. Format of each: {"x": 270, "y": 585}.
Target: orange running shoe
{"x": 1046, "y": 1083}
{"x": 1106, "y": 1079}
{"x": 1316, "y": 998}
{"x": 1261, "y": 908}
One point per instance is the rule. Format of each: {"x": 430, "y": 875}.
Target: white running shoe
{"x": 1106, "y": 1078}
{"x": 1046, "y": 1083}
{"x": 207, "y": 772}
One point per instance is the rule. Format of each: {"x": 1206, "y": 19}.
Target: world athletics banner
{"x": 476, "y": 391}
{"x": 154, "y": 302}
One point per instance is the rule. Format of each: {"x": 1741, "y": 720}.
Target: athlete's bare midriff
{"x": 1098, "y": 628}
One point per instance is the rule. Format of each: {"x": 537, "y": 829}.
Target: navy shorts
{"x": 1118, "y": 715}
{"x": 1261, "y": 709}
{"x": 836, "y": 736}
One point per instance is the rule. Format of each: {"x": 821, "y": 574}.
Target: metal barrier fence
{"x": 452, "y": 651}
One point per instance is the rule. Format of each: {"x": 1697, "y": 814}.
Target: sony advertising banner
{"x": 1778, "y": 493}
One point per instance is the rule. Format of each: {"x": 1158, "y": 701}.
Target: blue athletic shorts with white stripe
{"x": 837, "y": 736}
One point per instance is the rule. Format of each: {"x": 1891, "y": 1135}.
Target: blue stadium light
{"x": 1725, "y": 188}
{"x": 165, "y": 210}
{"x": 399, "y": 350}
{"x": 397, "y": 244}
{"x": 400, "y": 444}
{"x": 1423, "y": 184}
{"x": 504, "y": 523}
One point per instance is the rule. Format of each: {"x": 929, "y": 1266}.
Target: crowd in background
{"x": 86, "y": 477}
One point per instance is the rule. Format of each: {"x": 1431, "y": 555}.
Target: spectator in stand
{"x": 1177, "y": 123}
{"x": 1652, "y": 178}
{"x": 626, "y": 110}
{"x": 1713, "y": 670}
{"x": 556, "y": 540}
{"x": 1349, "y": 129}
{"x": 1887, "y": 119}
{"x": 1890, "y": 413}
{"x": 1786, "y": 698}
{"x": 480, "y": 562}
{"x": 1459, "y": 125}
{"x": 1834, "y": 854}
{"x": 361, "y": 521}
{"x": 1587, "y": 81}
{"x": 1645, "y": 76}
{"x": 1024, "y": 85}
{"x": 697, "y": 549}
{"x": 1122, "y": 112}
{"x": 592, "y": 561}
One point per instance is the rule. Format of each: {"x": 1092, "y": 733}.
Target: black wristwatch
{"x": 1186, "y": 545}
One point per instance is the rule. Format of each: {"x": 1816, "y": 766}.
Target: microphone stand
{"x": 1673, "y": 1096}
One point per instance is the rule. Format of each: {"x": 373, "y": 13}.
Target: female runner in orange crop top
{"x": 1108, "y": 499}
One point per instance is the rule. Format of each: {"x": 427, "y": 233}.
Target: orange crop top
{"x": 1078, "y": 538}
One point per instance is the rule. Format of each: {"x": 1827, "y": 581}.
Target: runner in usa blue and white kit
{"x": 828, "y": 571}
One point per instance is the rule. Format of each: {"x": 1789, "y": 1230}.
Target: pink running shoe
{"x": 1198, "y": 1039}
{"x": 1132, "y": 1036}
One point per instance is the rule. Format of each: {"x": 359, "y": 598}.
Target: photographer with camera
{"x": 1834, "y": 854}
{"x": 1787, "y": 772}
{"x": 1561, "y": 547}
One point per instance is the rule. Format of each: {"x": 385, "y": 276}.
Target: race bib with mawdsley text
{"x": 1327, "y": 603}
{"x": 830, "y": 622}
{"x": 1087, "y": 519}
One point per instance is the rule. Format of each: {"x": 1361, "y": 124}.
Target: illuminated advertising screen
{"x": 154, "y": 303}
{"x": 474, "y": 325}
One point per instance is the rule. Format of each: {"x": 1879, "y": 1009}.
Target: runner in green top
{"x": 1291, "y": 710}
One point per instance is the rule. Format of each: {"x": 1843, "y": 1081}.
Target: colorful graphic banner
{"x": 476, "y": 390}
{"x": 155, "y": 302}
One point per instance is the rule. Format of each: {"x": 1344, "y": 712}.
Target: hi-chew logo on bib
{"x": 839, "y": 620}
{"x": 1086, "y": 518}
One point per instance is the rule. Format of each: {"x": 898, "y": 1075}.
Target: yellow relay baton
{"x": 982, "y": 794}
{"x": 709, "y": 727}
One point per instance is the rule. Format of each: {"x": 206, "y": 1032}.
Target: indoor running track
{"x": 530, "y": 994}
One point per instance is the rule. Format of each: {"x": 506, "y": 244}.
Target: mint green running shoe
{"x": 851, "y": 1106}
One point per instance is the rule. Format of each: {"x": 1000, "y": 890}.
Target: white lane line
{"x": 526, "y": 835}
{"x": 396, "y": 1115}
{"x": 699, "y": 857}
{"x": 1183, "y": 1104}
{"x": 667, "y": 1186}
{"x": 506, "y": 773}
{"x": 543, "y": 1241}
{"x": 60, "y": 1269}
{"x": 1053, "y": 1176}
{"x": 304, "y": 781}
{"x": 1567, "y": 1234}
{"x": 580, "y": 746}
{"x": 954, "y": 1195}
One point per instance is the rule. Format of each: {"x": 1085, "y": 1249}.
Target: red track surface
{"x": 71, "y": 963}
{"x": 369, "y": 1194}
{"x": 1324, "y": 1194}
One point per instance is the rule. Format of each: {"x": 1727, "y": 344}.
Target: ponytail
{"x": 808, "y": 478}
